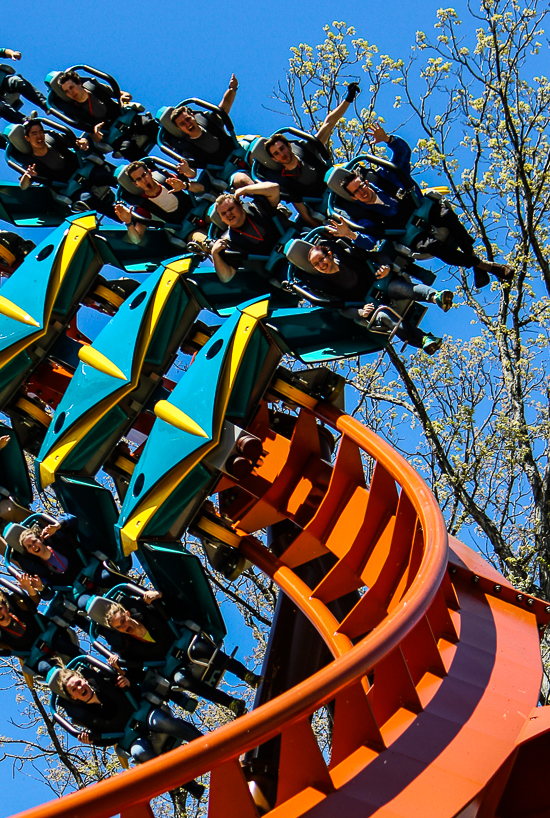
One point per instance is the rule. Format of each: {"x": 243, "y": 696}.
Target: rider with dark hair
{"x": 53, "y": 158}
{"x": 379, "y": 208}
{"x": 301, "y": 168}
{"x": 94, "y": 105}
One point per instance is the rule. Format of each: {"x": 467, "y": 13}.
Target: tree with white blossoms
{"x": 475, "y": 419}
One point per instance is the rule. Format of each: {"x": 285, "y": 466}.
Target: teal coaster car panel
{"x": 35, "y": 207}
{"x": 97, "y": 513}
{"x": 40, "y": 298}
{"x": 14, "y": 474}
{"x": 173, "y": 476}
{"x": 225, "y": 297}
{"x": 157, "y": 245}
{"x": 119, "y": 373}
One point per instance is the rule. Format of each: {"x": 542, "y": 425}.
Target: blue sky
{"x": 163, "y": 52}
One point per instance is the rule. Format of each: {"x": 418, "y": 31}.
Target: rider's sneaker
{"x": 431, "y": 344}
{"x": 252, "y": 679}
{"x": 238, "y": 707}
{"x": 444, "y": 300}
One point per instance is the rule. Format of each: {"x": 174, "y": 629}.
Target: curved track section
{"x": 436, "y": 668}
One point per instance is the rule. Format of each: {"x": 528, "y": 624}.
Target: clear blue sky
{"x": 165, "y": 51}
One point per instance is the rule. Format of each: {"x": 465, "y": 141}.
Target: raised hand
{"x": 339, "y": 227}
{"x": 376, "y": 133}
{"x": 150, "y": 596}
{"x": 97, "y": 135}
{"x": 49, "y": 530}
{"x": 123, "y": 213}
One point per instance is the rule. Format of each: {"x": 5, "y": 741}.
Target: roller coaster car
{"x": 117, "y": 128}
{"x": 310, "y": 151}
{"x": 175, "y": 233}
{"x": 197, "y": 430}
{"x": 44, "y": 647}
{"x": 119, "y": 374}
{"x": 321, "y": 333}
{"x": 48, "y": 203}
{"x": 18, "y": 561}
{"x": 172, "y": 143}
{"x": 340, "y": 203}
{"x": 185, "y": 632}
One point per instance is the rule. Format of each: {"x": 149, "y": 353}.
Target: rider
{"x": 13, "y": 87}
{"x": 300, "y": 174}
{"x": 139, "y": 631}
{"x": 170, "y": 201}
{"x": 53, "y": 157}
{"x": 96, "y": 701}
{"x": 347, "y": 277}
{"x": 252, "y": 227}
{"x": 20, "y": 629}
{"x": 52, "y": 558}
{"x": 381, "y": 209}
{"x": 95, "y": 105}
{"x": 206, "y": 142}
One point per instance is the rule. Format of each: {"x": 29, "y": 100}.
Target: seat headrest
{"x": 214, "y": 217}
{"x": 53, "y": 680}
{"x": 97, "y": 609}
{"x": 297, "y": 252}
{"x": 258, "y": 152}
{"x": 12, "y": 533}
{"x": 7, "y": 69}
{"x": 52, "y": 79}
{"x": 125, "y": 182}
{"x": 333, "y": 180}
{"x": 16, "y": 136}
{"x": 163, "y": 116}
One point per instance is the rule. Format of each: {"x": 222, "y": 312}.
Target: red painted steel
{"x": 429, "y": 705}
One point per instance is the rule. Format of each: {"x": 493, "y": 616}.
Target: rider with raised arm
{"x": 96, "y": 700}
{"x": 301, "y": 173}
{"x": 254, "y": 227}
{"x": 21, "y": 631}
{"x": 381, "y": 208}
{"x": 13, "y": 87}
{"x": 207, "y": 142}
{"x": 138, "y": 630}
{"x": 54, "y": 158}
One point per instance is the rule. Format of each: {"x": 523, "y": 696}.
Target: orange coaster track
{"x": 433, "y": 707}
